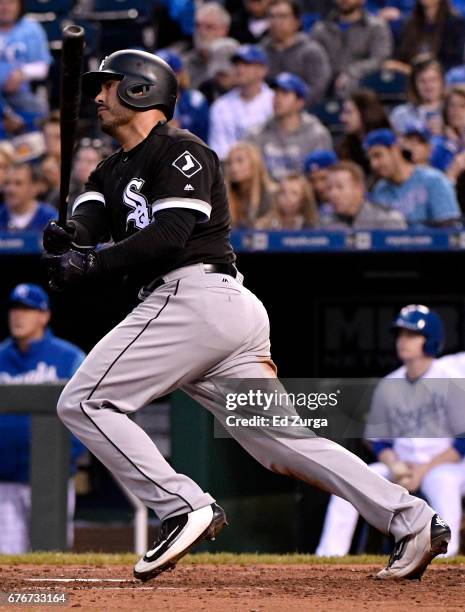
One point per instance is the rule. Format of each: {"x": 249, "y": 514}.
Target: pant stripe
{"x": 100, "y": 381}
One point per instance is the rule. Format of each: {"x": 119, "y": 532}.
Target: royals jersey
{"x": 170, "y": 169}
{"x": 421, "y": 419}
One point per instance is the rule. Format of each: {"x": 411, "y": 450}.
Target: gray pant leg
{"x": 317, "y": 461}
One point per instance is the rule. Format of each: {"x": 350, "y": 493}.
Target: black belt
{"x": 209, "y": 268}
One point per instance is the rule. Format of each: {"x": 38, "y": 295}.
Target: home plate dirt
{"x": 231, "y": 588}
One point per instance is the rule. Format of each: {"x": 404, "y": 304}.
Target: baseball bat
{"x": 70, "y": 99}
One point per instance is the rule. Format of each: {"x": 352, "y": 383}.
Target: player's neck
{"x": 133, "y": 133}
{"x": 416, "y": 368}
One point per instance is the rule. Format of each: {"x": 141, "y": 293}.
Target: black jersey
{"x": 170, "y": 170}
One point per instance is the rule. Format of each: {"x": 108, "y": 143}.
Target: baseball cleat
{"x": 412, "y": 555}
{"x": 177, "y": 536}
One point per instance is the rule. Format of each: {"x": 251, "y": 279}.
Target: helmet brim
{"x": 91, "y": 82}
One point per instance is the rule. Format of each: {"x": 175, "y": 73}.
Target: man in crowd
{"x": 221, "y": 76}
{"x": 250, "y": 22}
{"x": 32, "y": 354}
{"x": 356, "y": 42}
{"x": 291, "y": 133}
{"x": 316, "y": 168}
{"x": 247, "y": 105}
{"x": 423, "y": 195}
{"x": 349, "y": 207}
{"x": 289, "y": 50}
{"x": 212, "y": 21}
{"x": 21, "y": 210}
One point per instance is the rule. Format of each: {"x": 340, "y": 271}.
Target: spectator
{"x": 51, "y": 129}
{"x": 361, "y": 113}
{"x": 32, "y": 354}
{"x": 407, "y": 407}
{"x": 250, "y": 188}
{"x": 423, "y": 195}
{"x": 289, "y": 50}
{"x": 247, "y": 105}
{"x": 191, "y": 111}
{"x": 88, "y": 156}
{"x": 21, "y": 210}
{"x": 24, "y": 57}
{"x": 221, "y": 72}
{"x": 425, "y": 93}
{"x": 317, "y": 166}
{"x": 49, "y": 178}
{"x": 356, "y": 42}
{"x": 250, "y": 21}
{"x": 417, "y": 144}
{"x": 435, "y": 28}
{"x": 7, "y": 158}
{"x": 212, "y": 21}
{"x": 350, "y": 208}
{"x": 294, "y": 207}
{"x": 291, "y": 133}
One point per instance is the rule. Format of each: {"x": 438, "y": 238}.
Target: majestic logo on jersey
{"x": 187, "y": 164}
{"x": 188, "y": 187}
{"x": 141, "y": 214}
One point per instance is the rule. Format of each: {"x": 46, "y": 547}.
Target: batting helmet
{"x": 146, "y": 80}
{"x": 422, "y": 320}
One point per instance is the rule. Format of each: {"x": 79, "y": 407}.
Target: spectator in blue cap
{"x": 417, "y": 143}
{"x": 287, "y": 138}
{"x": 290, "y": 50}
{"x": 248, "y": 104}
{"x": 422, "y": 194}
{"x": 32, "y": 354}
{"x": 191, "y": 111}
{"x": 316, "y": 167}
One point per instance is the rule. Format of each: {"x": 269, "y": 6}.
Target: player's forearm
{"x": 450, "y": 455}
{"x": 163, "y": 238}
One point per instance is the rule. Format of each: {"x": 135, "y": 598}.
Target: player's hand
{"x": 418, "y": 472}
{"x": 57, "y": 240}
{"x": 70, "y": 268}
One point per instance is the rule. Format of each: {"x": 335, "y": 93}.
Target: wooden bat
{"x": 70, "y": 100}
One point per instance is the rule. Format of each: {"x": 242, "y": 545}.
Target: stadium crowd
{"x": 328, "y": 115}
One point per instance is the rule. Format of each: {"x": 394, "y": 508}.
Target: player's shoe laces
{"x": 177, "y": 536}
{"x": 412, "y": 555}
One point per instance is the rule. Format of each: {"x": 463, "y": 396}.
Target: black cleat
{"x": 412, "y": 555}
{"x": 177, "y": 536}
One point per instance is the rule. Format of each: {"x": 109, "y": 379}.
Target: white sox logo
{"x": 140, "y": 215}
{"x": 187, "y": 164}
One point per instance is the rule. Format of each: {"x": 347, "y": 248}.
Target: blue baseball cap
{"x": 443, "y": 154}
{"x": 173, "y": 60}
{"x": 31, "y": 296}
{"x": 382, "y": 137}
{"x": 291, "y": 82}
{"x": 418, "y": 130}
{"x": 319, "y": 160}
{"x": 250, "y": 54}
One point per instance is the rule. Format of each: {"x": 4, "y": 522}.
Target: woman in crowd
{"x": 7, "y": 159}
{"x": 435, "y": 28}
{"x": 250, "y": 188}
{"x": 425, "y": 94}
{"x": 361, "y": 113}
{"x": 294, "y": 206}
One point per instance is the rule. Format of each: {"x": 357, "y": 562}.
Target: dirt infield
{"x": 231, "y": 588}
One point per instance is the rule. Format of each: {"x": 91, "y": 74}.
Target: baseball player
{"x": 414, "y": 405}
{"x": 161, "y": 198}
{"x": 32, "y": 354}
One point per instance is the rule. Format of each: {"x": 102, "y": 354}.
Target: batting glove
{"x": 57, "y": 239}
{"x": 70, "y": 268}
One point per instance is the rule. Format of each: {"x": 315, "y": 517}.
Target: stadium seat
{"x": 389, "y": 85}
{"x": 143, "y": 7}
{"x": 328, "y": 113}
{"x": 308, "y": 19}
{"x": 60, "y": 7}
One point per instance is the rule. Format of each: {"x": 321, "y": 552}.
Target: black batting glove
{"x": 57, "y": 240}
{"x": 70, "y": 268}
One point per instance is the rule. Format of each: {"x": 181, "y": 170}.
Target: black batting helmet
{"x": 146, "y": 80}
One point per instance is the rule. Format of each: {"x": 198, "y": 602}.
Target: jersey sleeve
{"x": 186, "y": 180}
{"x": 89, "y": 210}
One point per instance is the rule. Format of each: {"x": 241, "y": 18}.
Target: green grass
{"x": 99, "y": 559}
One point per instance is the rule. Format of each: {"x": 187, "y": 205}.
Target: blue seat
{"x": 60, "y": 7}
{"x": 391, "y": 86}
{"x": 143, "y": 7}
{"x": 328, "y": 112}
{"x": 308, "y": 19}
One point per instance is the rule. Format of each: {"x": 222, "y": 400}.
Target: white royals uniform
{"x": 429, "y": 409}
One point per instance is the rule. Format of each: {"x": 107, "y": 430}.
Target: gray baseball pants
{"x": 192, "y": 330}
